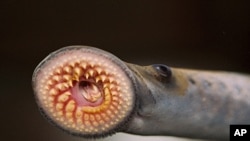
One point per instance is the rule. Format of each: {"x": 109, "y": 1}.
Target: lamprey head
{"x": 85, "y": 91}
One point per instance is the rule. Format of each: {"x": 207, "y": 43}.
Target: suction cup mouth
{"x": 84, "y": 90}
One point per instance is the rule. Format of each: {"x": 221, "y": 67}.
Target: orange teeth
{"x": 84, "y": 91}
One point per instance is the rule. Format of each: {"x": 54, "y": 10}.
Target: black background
{"x": 192, "y": 34}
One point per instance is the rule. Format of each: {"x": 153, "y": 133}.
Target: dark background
{"x": 192, "y": 34}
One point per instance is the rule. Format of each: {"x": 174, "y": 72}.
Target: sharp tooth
{"x": 66, "y": 85}
{"x": 87, "y": 76}
{"x": 46, "y": 87}
{"x": 51, "y": 98}
{"x": 70, "y": 106}
{"x": 63, "y": 97}
{"x": 111, "y": 79}
{"x": 78, "y": 114}
{"x": 86, "y": 117}
{"x": 87, "y": 124}
{"x": 53, "y": 91}
{"x": 103, "y": 78}
{"x": 98, "y": 70}
{"x": 115, "y": 98}
{"x": 66, "y": 77}
{"x": 92, "y": 64}
{"x": 60, "y": 113}
{"x": 92, "y": 118}
{"x": 77, "y": 71}
{"x": 58, "y": 71}
{"x": 114, "y": 93}
{"x": 109, "y": 112}
{"x": 77, "y": 61}
{"x": 56, "y": 78}
{"x": 98, "y": 117}
{"x": 75, "y": 77}
{"x": 91, "y": 72}
{"x": 107, "y": 73}
{"x": 79, "y": 121}
{"x": 50, "y": 82}
{"x": 67, "y": 69}
{"x": 50, "y": 73}
{"x": 119, "y": 89}
{"x": 69, "y": 114}
{"x": 72, "y": 64}
{"x": 111, "y": 86}
{"x": 95, "y": 124}
{"x": 97, "y": 79}
{"x": 59, "y": 106}
{"x": 105, "y": 85}
{"x": 60, "y": 86}
{"x": 84, "y": 65}
{"x": 106, "y": 91}
{"x": 70, "y": 83}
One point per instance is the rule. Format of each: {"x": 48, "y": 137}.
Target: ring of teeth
{"x": 83, "y": 92}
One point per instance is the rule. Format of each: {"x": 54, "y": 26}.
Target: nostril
{"x": 163, "y": 70}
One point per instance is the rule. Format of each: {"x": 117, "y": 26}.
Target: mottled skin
{"x": 189, "y": 103}
{"x": 165, "y": 101}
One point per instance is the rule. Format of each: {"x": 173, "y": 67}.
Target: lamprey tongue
{"x": 84, "y": 90}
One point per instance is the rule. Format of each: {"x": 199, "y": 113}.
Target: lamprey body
{"x": 91, "y": 93}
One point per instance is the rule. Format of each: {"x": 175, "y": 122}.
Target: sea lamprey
{"x": 91, "y": 93}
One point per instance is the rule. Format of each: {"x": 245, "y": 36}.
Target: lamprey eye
{"x": 84, "y": 90}
{"x": 163, "y": 70}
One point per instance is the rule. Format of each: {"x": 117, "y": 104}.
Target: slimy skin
{"x": 189, "y": 103}
{"x": 91, "y": 93}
